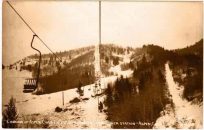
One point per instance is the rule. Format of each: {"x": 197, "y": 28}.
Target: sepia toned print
{"x": 102, "y": 64}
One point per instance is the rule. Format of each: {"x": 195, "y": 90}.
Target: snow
{"x": 83, "y": 114}
{"x": 45, "y": 104}
{"x": 12, "y": 84}
{"x": 117, "y": 69}
{"x": 184, "y": 114}
{"x": 28, "y": 103}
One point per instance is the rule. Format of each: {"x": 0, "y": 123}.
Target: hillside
{"x": 75, "y": 69}
{"x": 187, "y": 66}
{"x": 76, "y": 66}
{"x": 155, "y": 85}
{"x": 196, "y": 49}
{"x": 112, "y": 55}
{"x": 79, "y": 72}
{"x": 155, "y": 90}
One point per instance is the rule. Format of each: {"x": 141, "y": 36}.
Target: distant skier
{"x": 100, "y": 106}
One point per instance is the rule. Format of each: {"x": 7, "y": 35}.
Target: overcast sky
{"x": 66, "y": 25}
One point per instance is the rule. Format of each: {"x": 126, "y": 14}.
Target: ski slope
{"x": 184, "y": 114}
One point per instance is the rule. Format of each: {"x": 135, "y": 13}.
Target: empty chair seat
{"x": 30, "y": 85}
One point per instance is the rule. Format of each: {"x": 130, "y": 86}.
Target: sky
{"x": 65, "y": 25}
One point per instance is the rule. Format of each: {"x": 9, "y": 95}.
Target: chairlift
{"x": 32, "y": 83}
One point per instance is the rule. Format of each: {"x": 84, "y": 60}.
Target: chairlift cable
{"x": 32, "y": 29}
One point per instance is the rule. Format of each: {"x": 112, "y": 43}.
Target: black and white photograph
{"x": 93, "y": 64}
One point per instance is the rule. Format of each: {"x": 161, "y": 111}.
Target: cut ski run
{"x": 181, "y": 114}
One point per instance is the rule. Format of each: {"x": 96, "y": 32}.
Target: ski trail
{"x": 117, "y": 69}
{"x": 97, "y": 66}
{"x": 184, "y": 114}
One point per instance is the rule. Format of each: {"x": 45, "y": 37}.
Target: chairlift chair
{"x": 32, "y": 83}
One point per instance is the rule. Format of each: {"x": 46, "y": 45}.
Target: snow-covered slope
{"x": 117, "y": 69}
{"x": 184, "y": 114}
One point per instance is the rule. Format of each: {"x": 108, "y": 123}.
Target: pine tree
{"x": 109, "y": 98}
{"x": 10, "y": 115}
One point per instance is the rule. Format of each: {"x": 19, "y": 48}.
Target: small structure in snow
{"x": 75, "y": 100}
{"x": 58, "y": 109}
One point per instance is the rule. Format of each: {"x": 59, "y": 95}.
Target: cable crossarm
{"x": 32, "y": 30}
{"x": 38, "y": 74}
{"x": 32, "y": 44}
